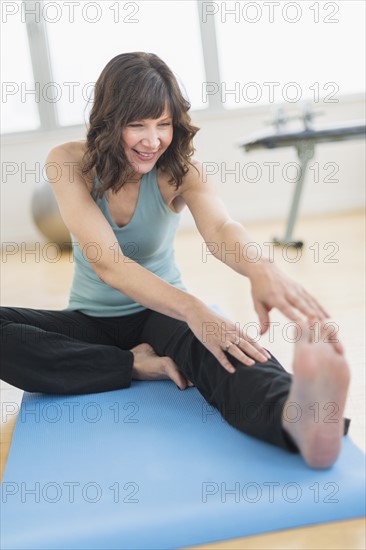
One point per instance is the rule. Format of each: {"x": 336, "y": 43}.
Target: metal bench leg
{"x": 305, "y": 152}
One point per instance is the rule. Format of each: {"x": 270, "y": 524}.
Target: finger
{"x": 315, "y": 310}
{"x": 330, "y": 335}
{"x": 263, "y": 316}
{"x": 256, "y": 344}
{"x": 323, "y": 314}
{"x": 253, "y": 350}
{"x": 223, "y": 360}
{"x": 240, "y": 355}
{"x": 322, "y": 331}
{"x": 190, "y": 384}
{"x": 303, "y": 305}
{"x": 339, "y": 348}
{"x": 318, "y": 333}
{"x": 289, "y": 311}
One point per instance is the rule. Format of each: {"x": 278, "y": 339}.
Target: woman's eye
{"x": 139, "y": 124}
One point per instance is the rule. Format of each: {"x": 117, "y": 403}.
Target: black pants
{"x": 59, "y": 352}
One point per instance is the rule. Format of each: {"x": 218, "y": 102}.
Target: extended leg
{"x": 254, "y": 399}
{"x": 251, "y": 400}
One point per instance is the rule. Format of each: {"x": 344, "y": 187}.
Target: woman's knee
{"x": 5, "y": 313}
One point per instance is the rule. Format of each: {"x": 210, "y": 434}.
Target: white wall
{"x": 216, "y": 142}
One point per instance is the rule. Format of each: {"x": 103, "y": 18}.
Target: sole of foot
{"x": 313, "y": 412}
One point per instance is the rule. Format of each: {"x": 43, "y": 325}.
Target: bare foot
{"x": 147, "y": 365}
{"x": 313, "y": 412}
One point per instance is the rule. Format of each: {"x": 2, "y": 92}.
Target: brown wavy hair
{"x": 135, "y": 86}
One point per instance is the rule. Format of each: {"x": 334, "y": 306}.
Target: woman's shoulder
{"x": 194, "y": 175}
{"x": 71, "y": 147}
{"x": 192, "y": 180}
{"x": 74, "y": 149}
{"x": 69, "y": 155}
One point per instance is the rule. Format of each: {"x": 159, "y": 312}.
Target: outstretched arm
{"x": 87, "y": 224}
{"x": 229, "y": 242}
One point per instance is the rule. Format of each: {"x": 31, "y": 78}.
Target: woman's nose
{"x": 151, "y": 139}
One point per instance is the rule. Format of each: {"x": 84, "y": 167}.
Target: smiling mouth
{"x": 145, "y": 155}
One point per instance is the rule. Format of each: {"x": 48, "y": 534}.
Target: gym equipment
{"x": 47, "y": 217}
{"x": 155, "y": 467}
{"x": 304, "y": 141}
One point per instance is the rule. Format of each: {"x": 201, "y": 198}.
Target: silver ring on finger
{"x": 237, "y": 340}
{"x": 228, "y": 346}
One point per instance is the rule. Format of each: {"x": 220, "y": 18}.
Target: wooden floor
{"x": 331, "y": 266}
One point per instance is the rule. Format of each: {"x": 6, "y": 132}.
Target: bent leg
{"x": 62, "y": 352}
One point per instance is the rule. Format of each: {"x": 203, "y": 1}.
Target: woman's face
{"x": 144, "y": 141}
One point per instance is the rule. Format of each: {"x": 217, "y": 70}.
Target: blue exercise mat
{"x": 153, "y": 467}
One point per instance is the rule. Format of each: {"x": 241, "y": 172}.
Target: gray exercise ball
{"x": 47, "y": 217}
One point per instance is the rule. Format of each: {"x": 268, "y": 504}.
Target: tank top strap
{"x": 154, "y": 190}
{"x": 96, "y": 185}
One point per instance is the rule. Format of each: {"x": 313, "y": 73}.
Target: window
{"x": 19, "y": 96}
{"x": 273, "y": 52}
{"x": 106, "y": 29}
{"x": 263, "y": 52}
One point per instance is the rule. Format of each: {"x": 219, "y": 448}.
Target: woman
{"x": 130, "y": 315}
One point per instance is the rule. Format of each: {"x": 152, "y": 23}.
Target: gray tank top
{"x": 147, "y": 239}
